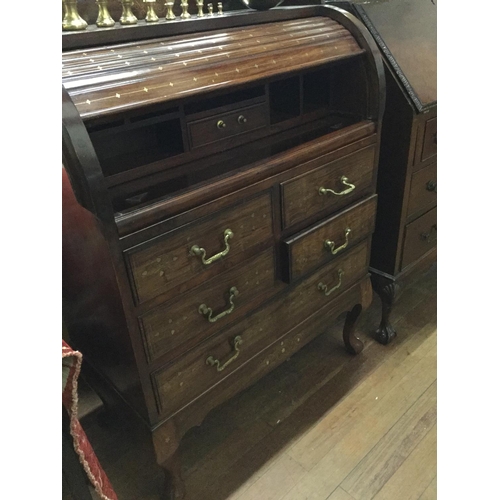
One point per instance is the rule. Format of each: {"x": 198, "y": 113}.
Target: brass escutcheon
{"x": 237, "y": 341}
{"x": 207, "y": 311}
{"x": 330, "y": 245}
{"x": 201, "y": 252}
{"x": 344, "y": 180}
{"x": 324, "y": 288}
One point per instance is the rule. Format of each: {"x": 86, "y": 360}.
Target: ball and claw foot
{"x": 388, "y": 294}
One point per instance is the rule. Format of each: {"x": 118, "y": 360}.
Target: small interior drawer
{"x": 429, "y": 147}
{"x": 420, "y": 237}
{"x": 329, "y": 187}
{"x": 225, "y": 125}
{"x": 423, "y": 190}
{"x": 188, "y": 256}
{"x": 325, "y": 241}
{"x": 182, "y": 381}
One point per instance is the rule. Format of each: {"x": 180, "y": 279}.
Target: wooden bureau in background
{"x": 218, "y": 202}
{"x": 404, "y": 242}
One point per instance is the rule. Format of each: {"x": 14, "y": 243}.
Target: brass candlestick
{"x": 72, "y": 20}
{"x": 170, "y": 16}
{"x": 219, "y": 8}
{"x": 151, "y": 16}
{"x": 210, "y": 9}
{"x": 184, "y": 6}
{"x": 199, "y": 4}
{"x": 127, "y": 14}
{"x": 104, "y": 19}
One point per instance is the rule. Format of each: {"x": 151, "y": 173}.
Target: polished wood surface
{"x": 307, "y": 251}
{"x": 406, "y": 31}
{"x": 301, "y": 196}
{"x": 198, "y": 64}
{"x": 293, "y": 434}
{"x": 423, "y": 191}
{"x": 166, "y": 263}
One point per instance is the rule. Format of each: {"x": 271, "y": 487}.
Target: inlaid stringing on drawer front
{"x": 181, "y": 382}
{"x": 169, "y": 261}
{"x": 174, "y": 324}
{"x": 325, "y": 241}
{"x": 313, "y": 193}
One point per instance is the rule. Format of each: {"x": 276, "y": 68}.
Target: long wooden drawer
{"x": 423, "y": 190}
{"x": 313, "y": 247}
{"x": 184, "y": 380}
{"x": 223, "y": 126}
{"x": 329, "y": 187}
{"x": 189, "y": 255}
{"x": 185, "y": 321}
{"x": 420, "y": 237}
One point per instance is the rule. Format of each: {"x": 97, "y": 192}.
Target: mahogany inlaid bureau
{"x": 218, "y": 202}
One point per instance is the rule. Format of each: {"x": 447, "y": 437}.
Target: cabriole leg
{"x": 352, "y": 343}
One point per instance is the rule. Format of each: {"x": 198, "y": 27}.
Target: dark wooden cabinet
{"x": 218, "y": 202}
{"x": 404, "y": 242}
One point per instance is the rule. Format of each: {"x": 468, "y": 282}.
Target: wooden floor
{"x": 324, "y": 425}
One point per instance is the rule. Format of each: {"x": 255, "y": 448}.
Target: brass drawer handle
{"x": 432, "y": 186}
{"x": 344, "y": 180}
{"x": 324, "y": 288}
{"x": 330, "y": 245}
{"x": 236, "y": 346}
{"x": 207, "y": 311}
{"x": 431, "y": 236}
{"x": 196, "y": 250}
{"x": 221, "y": 124}
{"x": 241, "y": 120}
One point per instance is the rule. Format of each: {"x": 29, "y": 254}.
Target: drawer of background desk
{"x": 180, "y": 382}
{"x": 192, "y": 254}
{"x": 429, "y": 146}
{"x": 323, "y": 242}
{"x": 329, "y": 187}
{"x": 196, "y": 315}
{"x": 420, "y": 237}
{"x": 423, "y": 190}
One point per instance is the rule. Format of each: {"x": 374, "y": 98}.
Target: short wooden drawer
{"x": 190, "y": 255}
{"x": 423, "y": 190}
{"x": 184, "y": 380}
{"x": 314, "y": 247}
{"x": 328, "y": 188}
{"x": 420, "y": 237}
{"x": 198, "y": 314}
{"x": 429, "y": 146}
{"x": 225, "y": 125}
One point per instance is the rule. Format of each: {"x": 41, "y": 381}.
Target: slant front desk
{"x": 218, "y": 202}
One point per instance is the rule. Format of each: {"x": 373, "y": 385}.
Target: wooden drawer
{"x": 420, "y": 237}
{"x": 225, "y": 125}
{"x": 429, "y": 147}
{"x": 184, "y": 380}
{"x": 313, "y": 247}
{"x": 185, "y": 323}
{"x": 173, "y": 261}
{"x": 423, "y": 190}
{"x": 305, "y": 196}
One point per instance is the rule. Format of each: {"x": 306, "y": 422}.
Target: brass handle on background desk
{"x": 241, "y": 120}
{"x": 431, "y": 236}
{"x": 432, "y": 186}
{"x": 344, "y": 180}
{"x": 330, "y": 245}
{"x": 207, "y": 311}
{"x": 196, "y": 250}
{"x": 215, "y": 362}
{"x": 221, "y": 124}
{"x": 324, "y": 288}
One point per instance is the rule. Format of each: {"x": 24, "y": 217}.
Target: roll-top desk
{"x": 218, "y": 202}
